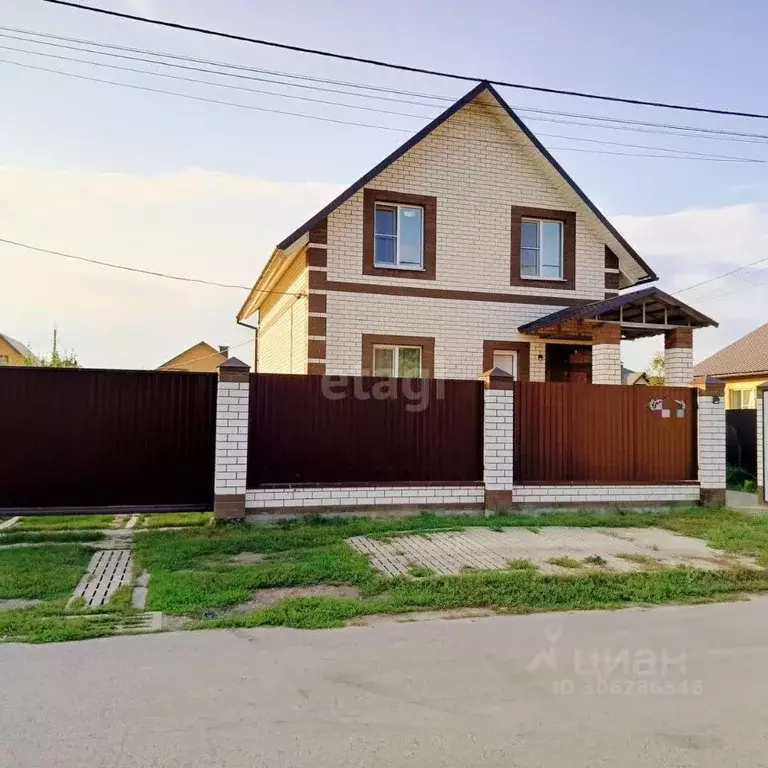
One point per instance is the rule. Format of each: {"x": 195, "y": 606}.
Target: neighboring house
{"x": 468, "y": 247}
{"x": 201, "y": 358}
{"x": 633, "y": 378}
{"x": 743, "y": 366}
{"x": 13, "y": 352}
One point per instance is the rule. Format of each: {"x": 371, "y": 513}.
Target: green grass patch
{"x": 565, "y": 562}
{"x": 646, "y": 561}
{"x": 521, "y": 565}
{"x": 420, "y": 571}
{"x": 52, "y": 537}
{"x": 63, "y": 522}
{"x": 175, "y": 520}
{"x": 41, "y": 573}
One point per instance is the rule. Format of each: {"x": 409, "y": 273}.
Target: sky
{"x": 206, "y": 190}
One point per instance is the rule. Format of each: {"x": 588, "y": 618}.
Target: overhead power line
{"x": 260, "y": 91}
{"x": 681, "y": 154}
{"x": 605, "y": 121}
{"x": 719, "y": 277}
{"x": 125, "y": 268}
{"x": 405, "y": 67}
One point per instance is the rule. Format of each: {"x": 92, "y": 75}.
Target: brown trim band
{"x": 318, "y": 281}
{"x": 427, "y": 344}
{"x": 679, "y": 338}
{"x": 523, "y": 349}
{"x": 429, "y": 204}
{"x": 568, "y": 220}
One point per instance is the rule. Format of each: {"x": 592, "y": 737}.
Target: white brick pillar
{"x": 606, "y": 354}
{"x": 711, "y": 438}
{"x": 762, "y": 443}
{"x": 678, "y": 357}
{"x": 498, "y": 438}
{"x": 231, "y": 439}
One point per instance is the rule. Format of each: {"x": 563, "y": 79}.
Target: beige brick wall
{"x": 283, "y": 324}
{"x": 477, "y": 168}
{"x": 459, "y": 328}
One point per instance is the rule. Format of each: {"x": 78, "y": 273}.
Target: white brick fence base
{"x": 364, "y": 497}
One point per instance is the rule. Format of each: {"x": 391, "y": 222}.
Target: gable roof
{"x": 749, "y": 354}
{"x": 206, "y": 350}
{"x": 23, "y": 350}
{"x": 598, "y": 309}
{"x": 482, "y": 86}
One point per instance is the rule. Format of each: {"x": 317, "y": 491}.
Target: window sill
{"x": 543, "y": 279}
{"x": 398, "y": 267}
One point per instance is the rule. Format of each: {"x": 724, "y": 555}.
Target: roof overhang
{"x": 278, "y": 263}
{"x": 647, "y": 312}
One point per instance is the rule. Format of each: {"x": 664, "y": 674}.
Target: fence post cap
{"x": 497, "y": 379}
{"x": 710, "y": 386}
{"x": 234, "y": 364}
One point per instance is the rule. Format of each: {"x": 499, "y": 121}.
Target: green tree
{"x": 56, "y": 359}
{"x": 656, "y": 370}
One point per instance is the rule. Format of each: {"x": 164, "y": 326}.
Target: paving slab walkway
{"x": 622, "y": 549}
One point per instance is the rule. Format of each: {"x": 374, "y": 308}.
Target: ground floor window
{"x": 395, "y": 361}
{"x": 505, "y": 360}
{"x": 743, "y": 399}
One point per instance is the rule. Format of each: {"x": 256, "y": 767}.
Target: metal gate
{"x": 593, "y": 433}
{"x": 102, "y": 438}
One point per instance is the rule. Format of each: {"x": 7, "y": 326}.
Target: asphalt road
{"x": 676, "y": 686}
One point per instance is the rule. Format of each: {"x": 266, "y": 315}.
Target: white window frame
{"x": 539, "y": 222}
{"x": 512, "y": 352}
{"x": 396, "y": 358}
{"x": 397, "y": 264}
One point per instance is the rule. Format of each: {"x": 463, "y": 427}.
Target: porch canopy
{"x": 639, "y": 314}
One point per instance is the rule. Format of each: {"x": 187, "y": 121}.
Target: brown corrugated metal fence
{"x": 91, "y": 438}
{"x": 315, "y": 429}
{"x": 568, "y": 433}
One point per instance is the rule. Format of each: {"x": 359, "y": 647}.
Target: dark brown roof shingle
{"x": 749, "y": 354}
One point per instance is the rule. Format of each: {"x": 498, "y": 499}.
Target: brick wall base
{"x": 287, "y": 501}
{"x": 713, "y": 497}
{"x": 229, "y": 506}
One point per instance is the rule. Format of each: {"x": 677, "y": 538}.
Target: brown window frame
{"x": 523, "y": 349}
{"x": 429, "y": 205}
{"x": 568, "y": 220}
{"x": 427, "y": 344}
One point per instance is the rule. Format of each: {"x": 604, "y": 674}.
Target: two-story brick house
{"x": 467, "y": 248}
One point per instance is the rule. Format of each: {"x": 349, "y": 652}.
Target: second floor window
{"x": 399, "y": 236}
{"x": 541, "y": 249}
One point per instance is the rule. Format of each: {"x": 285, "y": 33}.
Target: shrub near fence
{"x": 364, "y": 430}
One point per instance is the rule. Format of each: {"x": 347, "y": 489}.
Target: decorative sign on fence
{"x": 657, "y": 405}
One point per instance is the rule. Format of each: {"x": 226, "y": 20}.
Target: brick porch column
{"x": 606, "y": 354}
{"x": 498, "y": 438}
{"x": 711, "y": 438}
{"x": 231, "y": 439}
{"x": 762, "y": 439}
{"x": 678, "y": 357}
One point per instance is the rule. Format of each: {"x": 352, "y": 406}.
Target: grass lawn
{"x": 194, "y": 574}
{"x": 52, "y": 537}
{"x": 41, "y": 573}
{"x": 63, "y": 522}
{"x": 175, "y": 520}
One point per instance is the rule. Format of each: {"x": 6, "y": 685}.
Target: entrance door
{"x": 570, "y": 363}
